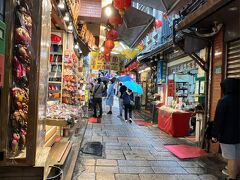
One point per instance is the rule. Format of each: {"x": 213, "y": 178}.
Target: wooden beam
{"x": 202, "y": 12}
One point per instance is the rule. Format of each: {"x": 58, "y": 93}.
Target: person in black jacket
{"x": 226, "y": 126}
{"x": 128, "y": 103}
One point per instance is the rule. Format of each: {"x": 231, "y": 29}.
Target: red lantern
{"x": 106, "y": 51}
{"x": 112, "y": 35}
{"x": 115, "y": 20}
{"x": 109, "y": 44}
{"x": 107, "y": 57}
{"x": 122, "y": 4}
{"x": 158, "y": 23}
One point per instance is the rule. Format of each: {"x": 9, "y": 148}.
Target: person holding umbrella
{"x": 128, "y": 103}
{"x": 121, "y": 91}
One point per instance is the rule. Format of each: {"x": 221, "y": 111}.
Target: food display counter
{"x": 173, "y": 121}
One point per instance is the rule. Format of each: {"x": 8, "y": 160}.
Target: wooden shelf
{"x": 54, "y": 82}
{"x": 56, "y": 122}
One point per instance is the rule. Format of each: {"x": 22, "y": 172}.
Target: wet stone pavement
{"x": 133, "y": 152}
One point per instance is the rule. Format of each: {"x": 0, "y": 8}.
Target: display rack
{"x": 55, "y": 74}
{"x": 70, "y": 80}
{"x": 182, "y": 89}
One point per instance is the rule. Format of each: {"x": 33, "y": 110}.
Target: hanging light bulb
{"x": 76, "y": 46}
{"x": 61, "y": 4}
{"x": 108, "y": 11}
{"x": 70, "y": 26}
{"x": 102, "y": 49}
{"x": 66, "y": 17}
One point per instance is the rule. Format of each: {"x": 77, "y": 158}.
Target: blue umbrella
{"x": 133, "y": 86}
{"x": 124, "y": 78}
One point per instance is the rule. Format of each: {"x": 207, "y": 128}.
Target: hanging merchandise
{"x": 22, "y": 58}
{"x": 70, "y": 95}
{"x": 115, "y": 20}
{"x": 109, "y": 44}
{"x": 112, "y": 35}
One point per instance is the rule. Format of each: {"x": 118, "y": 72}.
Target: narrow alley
{"x": 137, "y": 152}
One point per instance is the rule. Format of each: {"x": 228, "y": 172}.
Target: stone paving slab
{"x": 133, "y": 152}
{"x": 133, "y": 163}
{"x": 169, "y": 170}
{"x": 105, "y": 176}
{"x": 127, "y": 177}
{"x": 86, "y": 176}
{"x": 106, "y": 162}
{"x": 107, "y": 169}
{"x": 135, "y": 170}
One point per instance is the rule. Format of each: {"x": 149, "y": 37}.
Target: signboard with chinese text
{"x": 161, "y": 72}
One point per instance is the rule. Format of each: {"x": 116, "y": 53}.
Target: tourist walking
{"x": 121, "y": 91}
{"x": 110, "y": 95}
{"x": 97, "y": 97}
{"x": 226, "y": 126}
{"x": 128, "y": 103}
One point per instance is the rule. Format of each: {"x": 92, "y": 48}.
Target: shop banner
{"x": 161, "y": 72}
{"x": 98, "y": 62}
{"x": 171, "y": 88}
{"x": 1, "y": 70}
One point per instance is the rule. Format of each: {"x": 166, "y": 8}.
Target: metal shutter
{"x": 233, "y": 59}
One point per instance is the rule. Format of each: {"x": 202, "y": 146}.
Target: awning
{"x": 136, "y": 25}
{"x": 168, "y": 6}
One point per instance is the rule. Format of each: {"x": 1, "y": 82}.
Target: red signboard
{"x": 171, "y": 88}
{"x": 1, "y": 70}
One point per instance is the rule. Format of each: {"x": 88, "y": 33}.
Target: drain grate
{"x": 94, "y": 148}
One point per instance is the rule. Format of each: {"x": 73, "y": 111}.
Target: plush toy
{"x": 16, "y": 136}
{"x": 22, "y": 36}
{"x": 24, "y": 54}
{"x": 14, "y": 146}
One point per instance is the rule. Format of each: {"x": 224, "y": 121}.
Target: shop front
{"x": 184, "y": 90}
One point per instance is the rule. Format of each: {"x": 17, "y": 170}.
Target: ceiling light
{"x": 233, "y": 9}
{"x": 61, "y": 4}
{"x": 66, "y": 17}
{"x": 76, "y": 46}
{"x": 108, "y": 11}
{"x": 70, "y": 26}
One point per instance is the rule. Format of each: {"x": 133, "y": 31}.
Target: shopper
{"x": 121, "y": 91}
{"x": 97, "y": 97}
{"x": 226, "y": 126}
{"x": 128, "y": 103}
{"x": 91, "y": 86}
{"x": 110, "y": 95}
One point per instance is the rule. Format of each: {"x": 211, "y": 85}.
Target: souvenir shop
{"x": 47, "y": 82}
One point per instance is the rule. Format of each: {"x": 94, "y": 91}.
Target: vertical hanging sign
{"x": 161, "y": 72}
